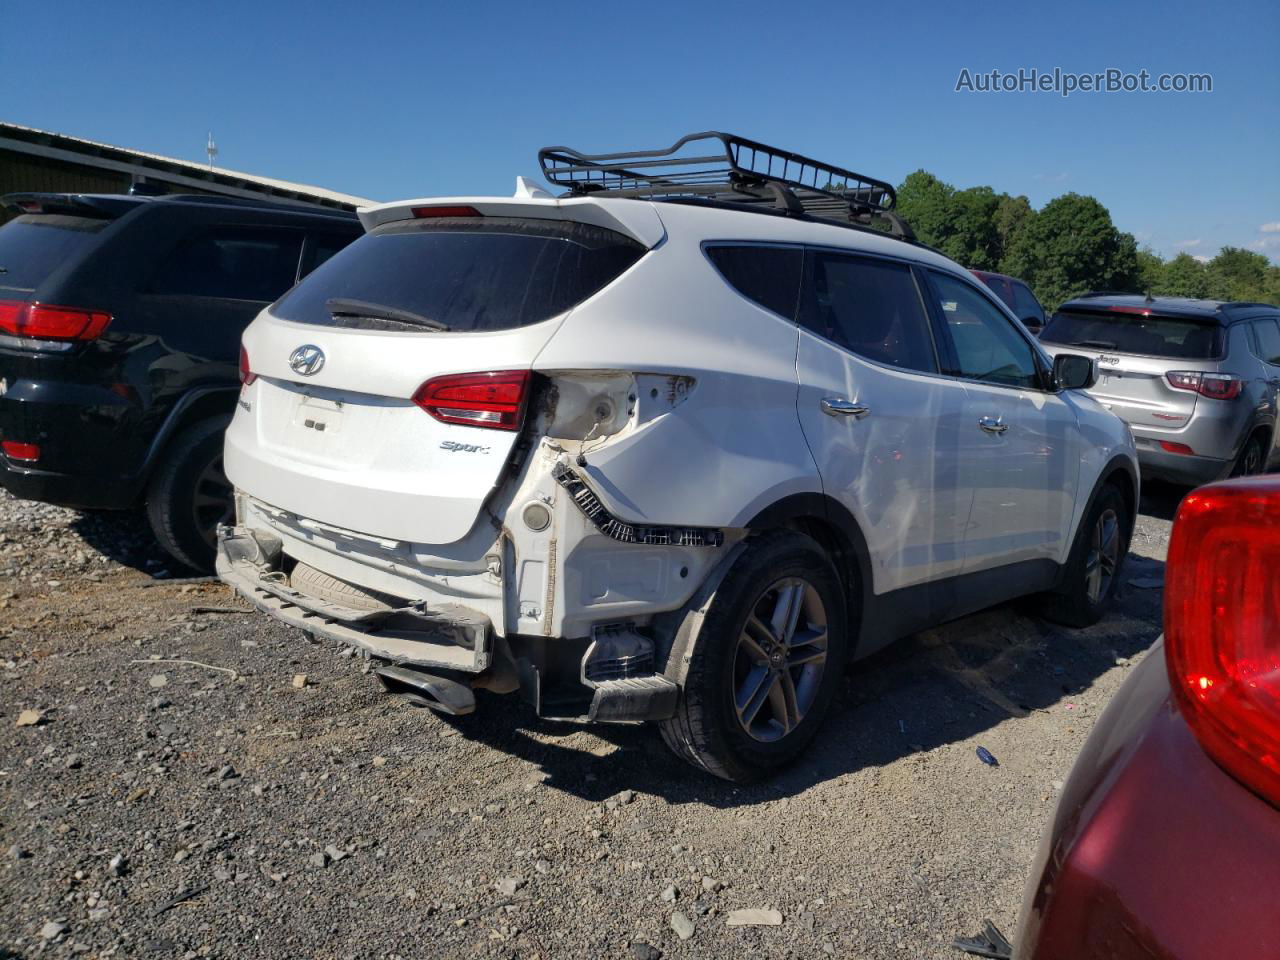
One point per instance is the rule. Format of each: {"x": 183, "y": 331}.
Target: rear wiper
{"x": 1104, "y": 344}
{"x": 342, "y": 307}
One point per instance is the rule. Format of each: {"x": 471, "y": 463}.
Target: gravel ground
{"x": 266, "y": 799}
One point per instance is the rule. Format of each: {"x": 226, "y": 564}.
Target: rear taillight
{"x": 23, "y": 452}
{"x": 452, "y": 210}
{"x": 494, "y": 400}
{"x": 1222, "y": 625}
{"x": 247, "y": 376}
{"x": 1170, "y": 446}
{"x": 43, "y": 321}
{"x": 1215, "y": 386}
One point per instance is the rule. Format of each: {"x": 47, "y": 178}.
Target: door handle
{"x": 993, "y": 425}
{"x": 840, "y": 407}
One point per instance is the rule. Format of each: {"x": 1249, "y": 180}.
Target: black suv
{"x": 120, "y": 323}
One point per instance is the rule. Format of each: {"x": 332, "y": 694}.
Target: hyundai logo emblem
{"x": 307, "y": 360}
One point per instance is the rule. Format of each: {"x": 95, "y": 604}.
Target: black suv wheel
{"x": 189, "y": 495}
{"x": 766, "y": 663}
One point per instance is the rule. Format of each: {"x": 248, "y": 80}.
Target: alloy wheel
{"x": 1104, "y": 556}
{"x": 212, "y": 503}
{"x": 780, "y": 659}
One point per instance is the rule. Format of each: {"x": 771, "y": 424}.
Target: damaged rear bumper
{"x": 550, "y": 673}
{"x": 449, "y": 635}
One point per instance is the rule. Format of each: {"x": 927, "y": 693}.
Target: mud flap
{"x": 634, "y": 700}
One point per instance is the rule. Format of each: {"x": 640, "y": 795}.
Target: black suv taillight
{"x": 43, "y": 321}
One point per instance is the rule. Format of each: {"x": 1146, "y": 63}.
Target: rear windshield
{"x": 1182, "y": 337}
{"x": 34, "y": 245}
{"x": 470, "y": 275}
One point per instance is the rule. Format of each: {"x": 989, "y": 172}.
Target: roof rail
{"x": 1109, "y": 293}
{"x": 729, "y": 168}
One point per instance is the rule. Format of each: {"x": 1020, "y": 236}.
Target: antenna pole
{"x": 211, "y": 149}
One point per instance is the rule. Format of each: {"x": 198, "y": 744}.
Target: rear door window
{"x": 1268, "y": 340}
{"x": 231, "y": 263}
{"x": 1025, "y": 305}
{"x": 491, "y": 273}
{"x": 768, "y": 276}
{"x": 1184, "y": 338}
{"x": 34, "y": 245}
{"x": 986, "y": 344}
{"x": 322, "y": 246}
{"x": 869, "y": 307}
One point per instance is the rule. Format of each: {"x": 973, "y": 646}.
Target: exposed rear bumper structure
{"x": 550, "y": 673}
{"x": 448, "y": 636}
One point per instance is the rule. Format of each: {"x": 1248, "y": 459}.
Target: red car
{"x": 1017, "y": 296}
{"x": 1166, "y": 841}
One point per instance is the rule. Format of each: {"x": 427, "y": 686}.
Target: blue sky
{"x": 398, "y": 99}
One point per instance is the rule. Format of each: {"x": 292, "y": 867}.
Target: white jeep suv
{"x": 675, "y": 447}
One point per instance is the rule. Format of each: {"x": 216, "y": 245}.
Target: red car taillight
{"x": 247, "y": 376}
{"x": 1222, "y": 625}
{"x": 495, "y": 400}
{"x": 23, "y": 452}
{"x": 1215, "y": 386}
{"x": 42, "y": 321}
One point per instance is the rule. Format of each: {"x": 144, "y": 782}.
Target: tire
{"x": 1092, "y": 574}
{"x": 1253, "y": 457}
{"x": 316, "y": 583}
{"x": 730, "y": 661}
{"x": 189, "y": 495}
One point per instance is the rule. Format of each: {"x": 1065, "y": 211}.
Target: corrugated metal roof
{"x": 14, "y": 135}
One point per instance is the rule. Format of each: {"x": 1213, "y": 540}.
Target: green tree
{"x": 974, "y": 239}
{"x": 1013, "y": 215}
{"x": 1150, "y": 271}
{"x": 924, "y": 201}
{"x": 1071, "y": 247}
{"x": 1185, "y": 276}
{"x": 1236, "y": 274}
{"x": 959, "y": 223}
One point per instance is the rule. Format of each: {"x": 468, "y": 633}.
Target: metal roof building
{"x": 39, "y": 161}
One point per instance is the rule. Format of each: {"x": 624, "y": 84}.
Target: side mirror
{"x": 1074, "y": 372}
{"x": 1034, "y": 324}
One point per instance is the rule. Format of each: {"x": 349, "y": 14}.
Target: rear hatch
{"x": 392, "y": 382}
{"x": 1136, "y": 351}
{"x": 49, "y": 332}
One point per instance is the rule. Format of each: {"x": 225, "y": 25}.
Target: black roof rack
{"x": 725, "y": 167}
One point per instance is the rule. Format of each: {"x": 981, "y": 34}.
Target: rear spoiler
{"x": 637, "y": 220}
{"x": 101, "y": 206}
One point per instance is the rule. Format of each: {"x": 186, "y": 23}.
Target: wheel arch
{"x": 192, "y": 408}
{"x": 830, "y": 523}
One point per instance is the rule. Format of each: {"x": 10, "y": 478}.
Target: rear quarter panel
{"x": 735, "y": 446}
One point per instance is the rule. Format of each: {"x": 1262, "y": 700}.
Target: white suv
{"x": 673, "y": 447}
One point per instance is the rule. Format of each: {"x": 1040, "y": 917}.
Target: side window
{"x": 322, "y": 246}
{"x": 1000, "y": 287}
{"x": 1025, "y": 305}
{"x": 769, "y": 276}
{"x": 1268, "y": 340}
{"x": 231, "y": 263}
{"x": 987, "y": 346}
{"x": 871, "y": 308}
